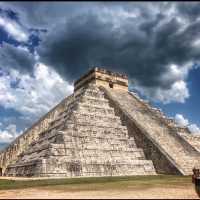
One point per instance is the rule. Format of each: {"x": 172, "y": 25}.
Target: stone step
{"x": 87, "y": 147}
{"x": 87, "y": 108}
{"x": 159, "y": 131}
{"x": 81, "y": 122}
{"x": 111, "y": 145}
{"x": 93, "y": 132}
{"x": 92, "y": 93}
{"x": 83, "y": 116}
{"x": 98, "y": 133}
{"x": 105, "y": 161}
{"x": 93, "y": 101}
{"x": 90, "y": 170}
{"x": 97, "y": 128}
{"x": 118, "y": 157}
{"x": 84, "y": 140}
{"x": 92, "y": 138}
{"x": 93, "y": 120}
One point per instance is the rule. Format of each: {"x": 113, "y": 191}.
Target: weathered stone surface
{"x": 102, "y": 130}
{"x": 85, "y": 139}
{"x": 20, "y": 145}
{"x": 171, "y": 151}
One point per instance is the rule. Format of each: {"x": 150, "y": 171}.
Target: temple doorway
{"x": 1, "y": 173}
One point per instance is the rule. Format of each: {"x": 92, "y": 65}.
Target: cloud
{"x": 32, "y": 13}
{"x": 27, "y": 87}
{"x": 151, "y": 52}
{"x": 9, "y": 133}
{"x": 173, "y": 87}
{"x": 178, "y": 92}
{"x": 181, "y": 121}
{"x": 189, "y": 10}
{"x": 152, "y": 43}
{"x": 14, "y": 29}
{"x": 30, "y": 96}
{"x": 35, "y": 94}
{"x": 18, "y": 58}
{"x": 194, "y": 129}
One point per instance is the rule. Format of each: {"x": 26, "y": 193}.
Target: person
{"x": 196, "y": 180}
{"x": 195, "y": 175}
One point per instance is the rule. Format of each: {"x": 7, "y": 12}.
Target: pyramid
{"x": 102, "y": 129}
{"x": 85, "y": 139}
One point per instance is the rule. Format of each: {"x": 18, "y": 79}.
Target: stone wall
{"x": 103, "y": 77}
{"x": 89, "y": 140}
{"x": 155, "y": 127}
{"x": 151, "y": 151}
{"x": 10, "y": 154}
{"x": 191, "y": 138}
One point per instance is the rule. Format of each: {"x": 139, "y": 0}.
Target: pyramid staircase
{"x": 85, "y": 139}
{"x": 179, "y": 152}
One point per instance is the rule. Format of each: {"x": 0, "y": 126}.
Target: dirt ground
{"x": 120, "y": 190}
{"x": 50, "y": 192}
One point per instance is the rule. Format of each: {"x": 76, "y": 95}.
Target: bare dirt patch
{"x": 152, "y": 192}
{"x": 163, "y": 187}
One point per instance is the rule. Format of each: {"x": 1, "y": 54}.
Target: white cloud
{"x": 5, "y": 96}
{"x": 176, "y": 73}
{"x": 14, "y": 29}
{"x": 196, "y": 43}
{"x": 194, "y": 129}
{"x": 33, "y": 95}
{"x": 9, "y": 133}
{"x": 178, "y": 92}
{"x": 181, "y": 121}
{"x": 175, "y": 77}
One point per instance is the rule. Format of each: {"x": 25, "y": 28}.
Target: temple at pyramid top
{"x": 102, "y": 77}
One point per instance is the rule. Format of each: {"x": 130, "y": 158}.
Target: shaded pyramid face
{"x": 85, "y": 139}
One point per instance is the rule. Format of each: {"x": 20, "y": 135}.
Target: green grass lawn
{"x": 99, "y": 182}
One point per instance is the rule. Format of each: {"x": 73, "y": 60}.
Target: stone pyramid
{"x": 85, "y": 139}
{"x": 102, "y": 129}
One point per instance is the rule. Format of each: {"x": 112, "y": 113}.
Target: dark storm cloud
{"x": 16, "y": 57}
{"x": 189, "y": 10}
{"x": 144, "y": 52}
{"x": 86, "y": 42}
{"x": 45, "y": 14}
{"x": 84, "y": 35}
{"x": 149, "y": 25}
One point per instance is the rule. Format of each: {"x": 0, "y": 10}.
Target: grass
{"x": 98, "y": 183}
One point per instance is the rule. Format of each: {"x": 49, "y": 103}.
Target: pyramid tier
{"x": 85, "y": 139}
{"x": 57, "y": 167}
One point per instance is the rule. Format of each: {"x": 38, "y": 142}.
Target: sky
{"x": 46, "y": 46}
